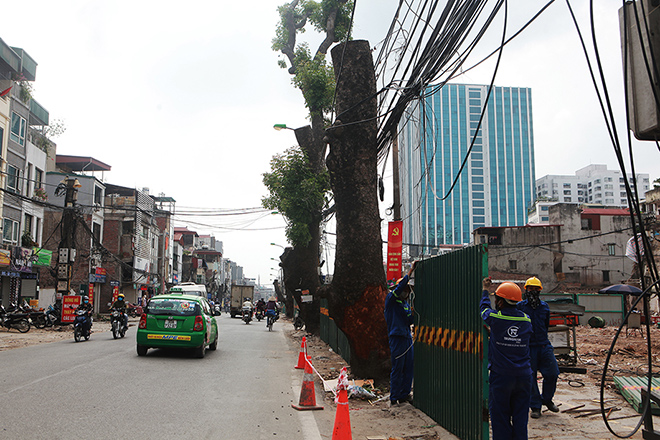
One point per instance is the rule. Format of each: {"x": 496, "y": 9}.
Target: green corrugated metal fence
{"x": 331, "y": 335}
{"x": 450, "y": 357}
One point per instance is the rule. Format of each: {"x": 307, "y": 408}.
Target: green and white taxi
{"x": 177, "y": 321}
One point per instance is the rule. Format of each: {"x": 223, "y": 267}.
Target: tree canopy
{"x": 297, "y": 192}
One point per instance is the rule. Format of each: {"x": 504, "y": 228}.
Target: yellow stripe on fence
{"x": 451, "y": 339}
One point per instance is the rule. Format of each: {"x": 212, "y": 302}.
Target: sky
{"x": 181, "y": 98}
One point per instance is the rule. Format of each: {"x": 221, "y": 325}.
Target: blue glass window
{"x": 478, "y": 172}
{"x": 476, "y": 179}
{"x": 477, "y": 163}
{"x": 479, "y": 211}
{"x": 477, "y": 187}
{"x": 478, "y": 195}
{"x": 478, "y": 203}
{"x": 479, "y": 219}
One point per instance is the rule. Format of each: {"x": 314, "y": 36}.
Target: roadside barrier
{"x": 342, "y": 428}
{"x": 307, "y": 393}
{"x": 302, "y": 354}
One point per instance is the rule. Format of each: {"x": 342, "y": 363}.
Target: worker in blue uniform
{"x": 399, "y": 318}
{"x": 540, "y": 349}
{"x": 508, "y": 361}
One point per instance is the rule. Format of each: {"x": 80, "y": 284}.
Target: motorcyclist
{"x": 121, "y": 305}
{"x": 261, "y": 305}
{"x": 247, "y": 306}
{"x": 87, "y": 307}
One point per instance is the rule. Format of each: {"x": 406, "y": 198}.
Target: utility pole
{"x": 67, "y": 251}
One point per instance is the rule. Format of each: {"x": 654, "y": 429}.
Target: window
{"x": 98, "y": 195}
{"x": 567, "y": 185}
{"x": 145, "y": 231}
{"x": 606, "y": 276}
{"x": 545, "y": 219}
{"x": 27, "y": 224}
{"x": 513, "y": 264}
{"x": 38, "y": 178}
{"x": 544, "y": 207}
{"x": 609, "y": 186}
{"x": 96, "y": 230}
{"x": 567, "y": 200}
{"x": 611, "y": 249}
{"x": 567, "y": 192}
{"x": 12, "y": 179}
{"x": 10, "y": 231}
{"x": 17, "y": 128}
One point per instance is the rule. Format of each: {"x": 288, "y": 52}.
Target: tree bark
{"x": 357, "y": 294}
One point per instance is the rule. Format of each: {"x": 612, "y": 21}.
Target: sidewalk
{"x": 379, "y": 421}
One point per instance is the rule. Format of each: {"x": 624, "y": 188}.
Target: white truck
{"x": 238, "y": 295}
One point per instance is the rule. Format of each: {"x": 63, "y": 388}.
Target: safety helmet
{"x": 533, "y": 281}
{"x": 510, "y": 292}
{"x": 85, "y": 298}
{"x": 120, "y": 296}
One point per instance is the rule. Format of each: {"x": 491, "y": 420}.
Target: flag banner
{"x": 394, "y": 248}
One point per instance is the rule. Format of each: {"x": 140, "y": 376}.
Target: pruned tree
{"x": 357, "y": 293}
{"x": 315, "y": 79}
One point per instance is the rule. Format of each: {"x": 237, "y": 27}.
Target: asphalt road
{"x": 101, "y": 389}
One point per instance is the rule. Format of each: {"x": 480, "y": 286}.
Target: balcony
{"x": 28, "y": 65}
{"x": 38, "y": 114}
{"x": 11, "y": 61}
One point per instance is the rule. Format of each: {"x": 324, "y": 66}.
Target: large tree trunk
{"x": 357, "y": 294}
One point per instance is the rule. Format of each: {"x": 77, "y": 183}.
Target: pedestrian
{"x": 508, "y": 361}
{"x": 540, "y": 349}
{"x": 399, "y": 318}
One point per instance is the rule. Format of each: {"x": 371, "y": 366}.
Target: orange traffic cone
{"x": 307, "y": 393}
{"x": 342, "y": 429}
{"x": 302, "y": 354}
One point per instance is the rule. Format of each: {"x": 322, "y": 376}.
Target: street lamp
{"x": 275, "y": 244}
{"x": 280, "y": 127}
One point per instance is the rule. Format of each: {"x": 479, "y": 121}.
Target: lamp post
{"x": 278, "y": 245}
{"x": 280, "y": 127}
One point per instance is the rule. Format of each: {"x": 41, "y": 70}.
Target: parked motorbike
{"x": 53, "y": 315}
{"x": 81, "y": 325}
{"x": 247, "y": 315}
{"x": 18, "y": 320}
{"x": 117, "y": 323}
{"x": 259, "y": 315}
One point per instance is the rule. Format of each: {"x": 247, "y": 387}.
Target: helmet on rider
{"x": 533, "y": 281}
{"x": 85, "y": 299}
{"x": 509, "y": 292}
{"x": 120, "y": 296}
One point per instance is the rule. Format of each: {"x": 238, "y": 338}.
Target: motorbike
{"x": 80, "y": 326}
{"x": 134, "y": 310}
{"x": 259, "y": 315}
{"x": 117, "y": 323}
{"x": 53, "y": 315}
{"x": 18, "y": 320}
{"x": 247, "y": 315}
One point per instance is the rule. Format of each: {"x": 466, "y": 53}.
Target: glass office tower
{"x": 496, "y": 184}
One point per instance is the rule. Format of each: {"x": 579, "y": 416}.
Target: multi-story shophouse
{"x": 189, "y": 241}
{"x": 24, "y": 161}
{"x": 88, "y": 271}
{"x": 132, "y": 236}
{"x": 166, "y": 257}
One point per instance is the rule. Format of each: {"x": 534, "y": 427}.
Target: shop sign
{"x": 43, "y": 257}
{"x": 5, "y": 257}
{"x": 95, "y": 278}
{"x": 100, "y": 271}
{"x": 69, "y": 305}
{"x": 9, "y": 273}
{"x": 22, "y": 259}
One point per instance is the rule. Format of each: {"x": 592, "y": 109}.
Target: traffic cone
{"x": 342, "y": 429}
{"x": 302, "y": 354}
{"x": 307, "y": 393}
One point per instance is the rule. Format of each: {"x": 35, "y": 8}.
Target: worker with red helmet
{"x": 541, "y": 352}
{"x": 508, "y": 361}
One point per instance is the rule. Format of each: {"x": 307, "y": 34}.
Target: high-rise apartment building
{"x": 593, "y": 184}
{"x": 494, "y": 187}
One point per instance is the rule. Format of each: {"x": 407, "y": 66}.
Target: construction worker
{"x": 540, "y": 349}
{"x": 399, "y": 318}
{"x": 508, "y": 361}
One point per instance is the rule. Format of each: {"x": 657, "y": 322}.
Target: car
{"x": 176, "y": 320}
{"x": 190, "y": 289}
